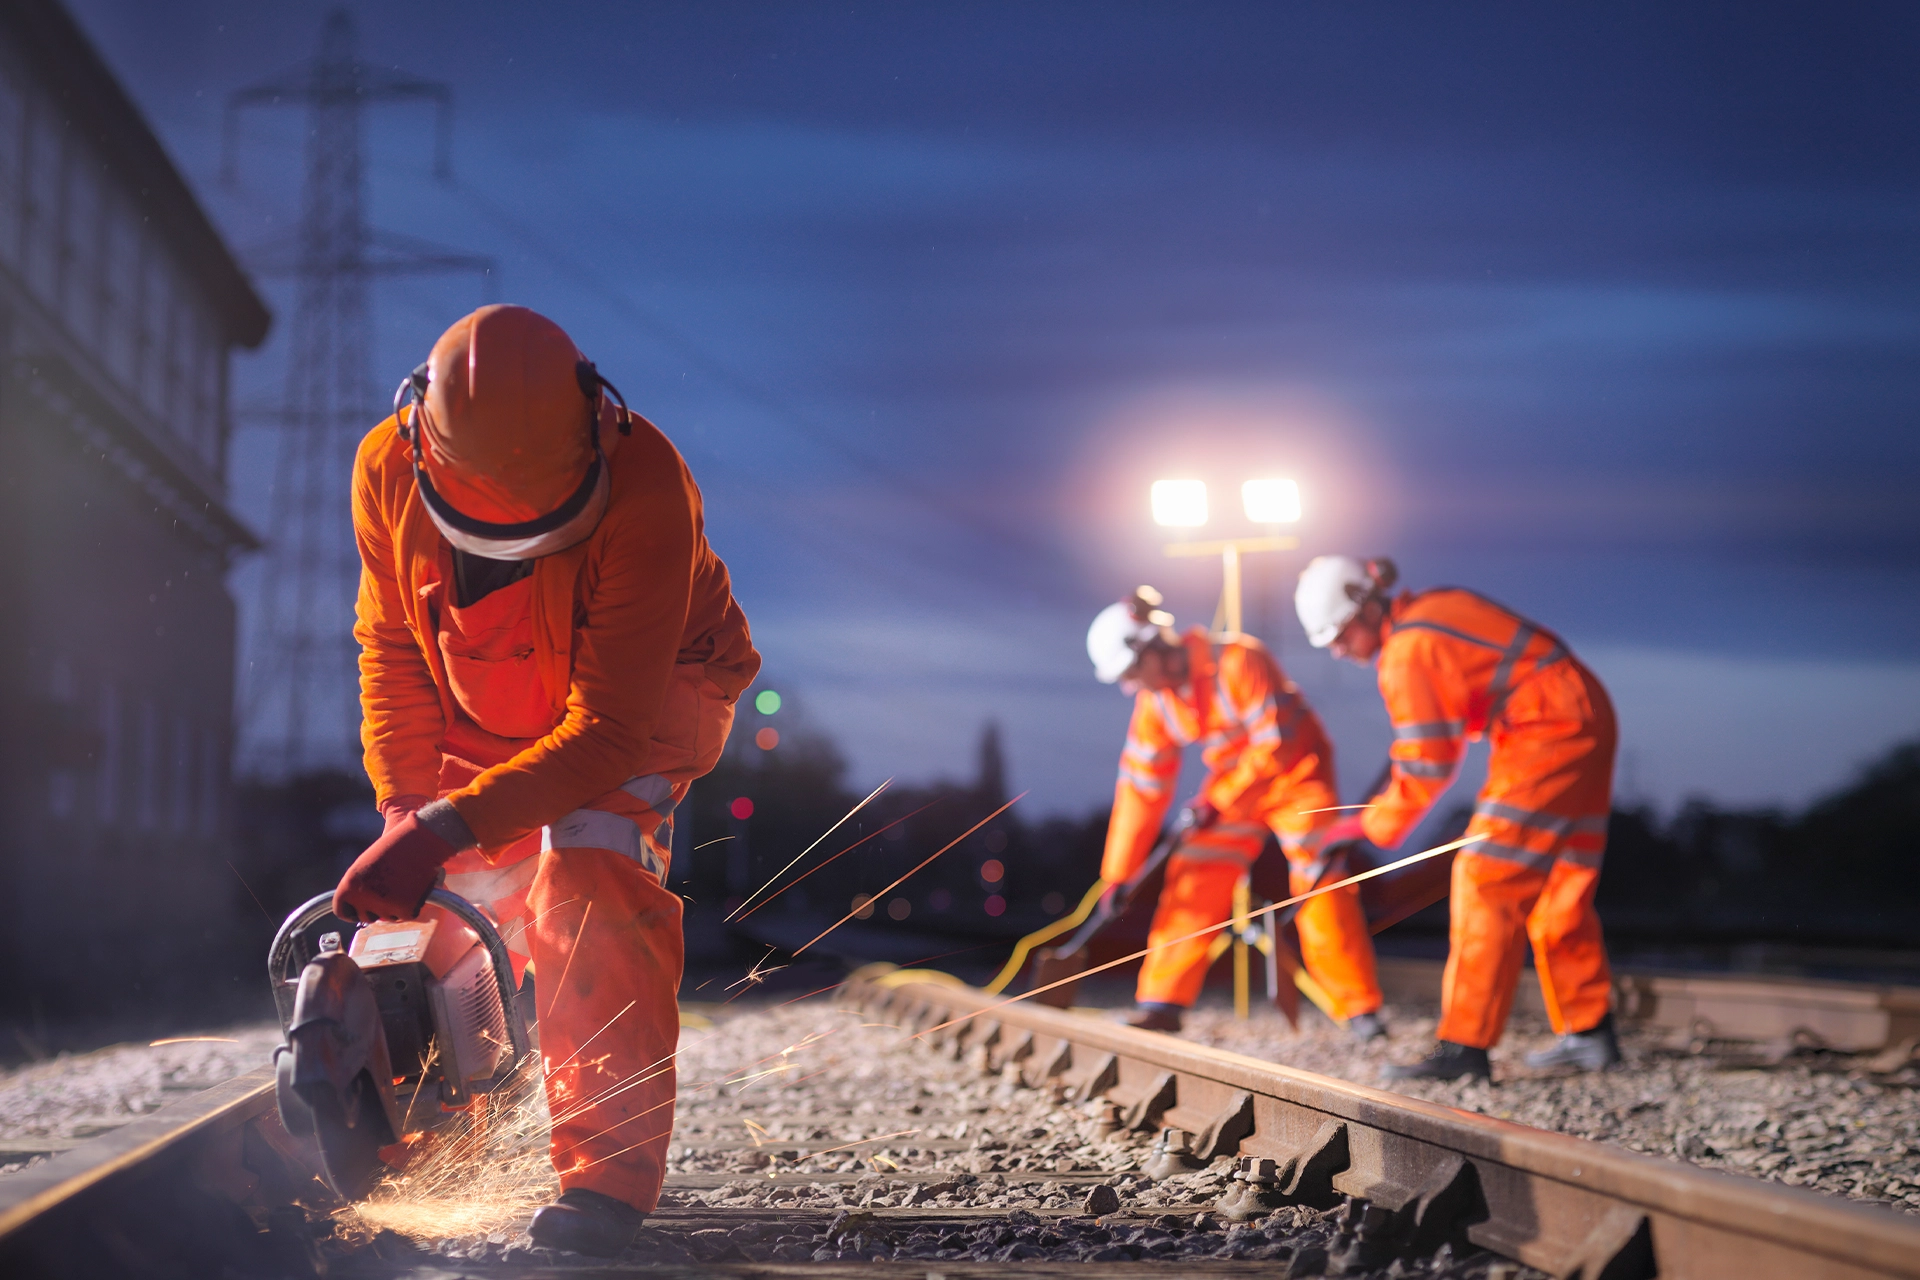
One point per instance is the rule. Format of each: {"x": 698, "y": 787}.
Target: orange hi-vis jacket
{"x": 1267, "y": 756}
{"x": 621, "y": 622}
{"x": 1454, "y": 665}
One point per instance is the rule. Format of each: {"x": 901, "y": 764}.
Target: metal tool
{"x": 392, "y": 1033}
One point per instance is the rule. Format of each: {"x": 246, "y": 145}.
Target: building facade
{"x": 120, "y": 306}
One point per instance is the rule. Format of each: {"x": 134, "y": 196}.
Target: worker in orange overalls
{"x": 550, "y": 654}
{"x": 1454, "y": 665}
{"x": 1270, "y": 769}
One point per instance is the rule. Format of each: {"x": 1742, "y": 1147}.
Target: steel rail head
{"x": 1421, "y": 1173}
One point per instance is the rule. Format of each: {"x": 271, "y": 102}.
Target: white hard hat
{"x": 1119, "y": 631}
{"x": 1331, "y": 591}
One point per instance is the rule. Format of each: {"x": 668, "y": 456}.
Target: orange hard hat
{"x": 504, "y": 425}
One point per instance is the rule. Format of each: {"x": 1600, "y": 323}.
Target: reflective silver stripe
{"x": 1430, "y": 729}
{"x": 1425, "y": 768}
{"x": 1556, "y": 824}
{"x": 1445, "y": 631}
{"x": 1588, "y": 858}
{"x": 1145, "y": 783}
{"x": 1509, "y": 853}
{"x": 598, "y": 829}
{"x": 1168, "y": 719}
{"x": 1217, "y": 853}
{"x": 652, "y": 790}
{"x": 1502, "y": 683}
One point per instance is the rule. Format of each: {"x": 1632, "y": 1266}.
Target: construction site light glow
{"x": 1271, "y": 501}
{"x": 766, "y": 702}
{"x": 1179, "y": 504}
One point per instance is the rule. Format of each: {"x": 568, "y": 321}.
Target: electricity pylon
{"x": 298, "y": 708}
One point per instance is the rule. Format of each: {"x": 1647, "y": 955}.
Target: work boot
{"x": 1592, "y": 1050}
{"x": 587, "y": 1222}
{"x": 1156, "y": 1017}
{"x": 1366, "y": 1026}
{"x": 1446, "y": 1061}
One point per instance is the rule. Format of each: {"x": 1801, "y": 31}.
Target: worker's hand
{"x": 1345, "y": 830}
{"x": 1116, "y": 899}
{"x": 1199, "y": 815}
{"x": 391, "y": 880}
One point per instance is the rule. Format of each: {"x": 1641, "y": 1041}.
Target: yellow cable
{"x": 1065, "y": 923}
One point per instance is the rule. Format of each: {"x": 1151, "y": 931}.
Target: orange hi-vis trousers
{"x": 1544, "y": 815}
{"x": 1335, "y": 946}
{"x": 584, "y": 903}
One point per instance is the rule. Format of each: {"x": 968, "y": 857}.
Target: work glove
{"x": 392, "y": 879}
{"x": 394, "y": 808}
{"x": 1199, "y": 815}
{"x": 1344, "y": 831}
{"x": 1116, "y": 899}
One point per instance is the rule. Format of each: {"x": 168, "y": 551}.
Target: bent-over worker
{"x": 1454, "y": 665}
{"x": 550, "y": 654}
{"x": 1270, "y": 768}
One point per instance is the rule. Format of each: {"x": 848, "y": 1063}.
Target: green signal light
{"x": 766, "y": 702}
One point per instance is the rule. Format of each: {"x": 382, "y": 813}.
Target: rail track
{"x": 1124, "y": 1149}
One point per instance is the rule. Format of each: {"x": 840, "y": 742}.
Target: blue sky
{"x": 1608, "y": 311}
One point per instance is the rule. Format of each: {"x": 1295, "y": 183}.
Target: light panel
{"x": 1271, "y": 501}
{"x": 1179, "y": 504}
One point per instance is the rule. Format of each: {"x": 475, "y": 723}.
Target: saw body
{"x": 391, "y": 1035}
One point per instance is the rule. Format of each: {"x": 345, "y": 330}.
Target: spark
{"x": 877, "y": 1159}
{"x": 193, "y": 1040}
{"x": 567, "y": 968}
{"x": 843, "y": 853}
{"x": 904, "y": 1133}
{"x": 756, "y": 975}
{"x": 249, "y": 888}
{"x": 1336, "y": 808}
{"x": 903, "y": 879}
{"x": 722, "y": 840}
{"x": 590, "y": 1039}
{"x": 810, "y": 848}
{"x": 1269, "y": 909}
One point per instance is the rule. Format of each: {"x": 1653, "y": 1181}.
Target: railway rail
{"x": 1128, "y": 1149}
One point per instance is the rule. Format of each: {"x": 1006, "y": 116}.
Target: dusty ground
{"x": 50, "y": 1106}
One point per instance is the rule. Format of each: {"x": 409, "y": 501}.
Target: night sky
{"x": 1609, "y": 311}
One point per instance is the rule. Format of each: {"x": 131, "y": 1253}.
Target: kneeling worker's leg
{"x": 1334, "y": 943}
{"x": 607, "y": 951}
{"x": 1196, "y": 895}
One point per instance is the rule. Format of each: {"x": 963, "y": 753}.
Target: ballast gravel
{"x": 55, "y": 1104}
{"x": 1822, "y": 1121}
{"x": 807, "y": 1133}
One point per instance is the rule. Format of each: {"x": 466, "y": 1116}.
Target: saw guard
{"x": 337, "y": 1037}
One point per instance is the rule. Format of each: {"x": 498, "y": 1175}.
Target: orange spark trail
{"x": 567, "y": 968}
{"x": 590, "y": 1039}
{"x": 904, "y": 1133}
{"x": 1337, "y": 808}
{"x": 193, "y": 1040}
{"x": 849, "y": 849}
{"x": 810, "y": 848}
{"x": 903, "y": 879}
{"x": 1434, "y": 852}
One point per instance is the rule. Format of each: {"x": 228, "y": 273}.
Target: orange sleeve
{"x": 1256, "y": 706}
{"x": 1427, "y": 701}
{"x": 623, "y": 656}
{"x": 401, "y": 716}
{"x": 1149, "y": 764}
